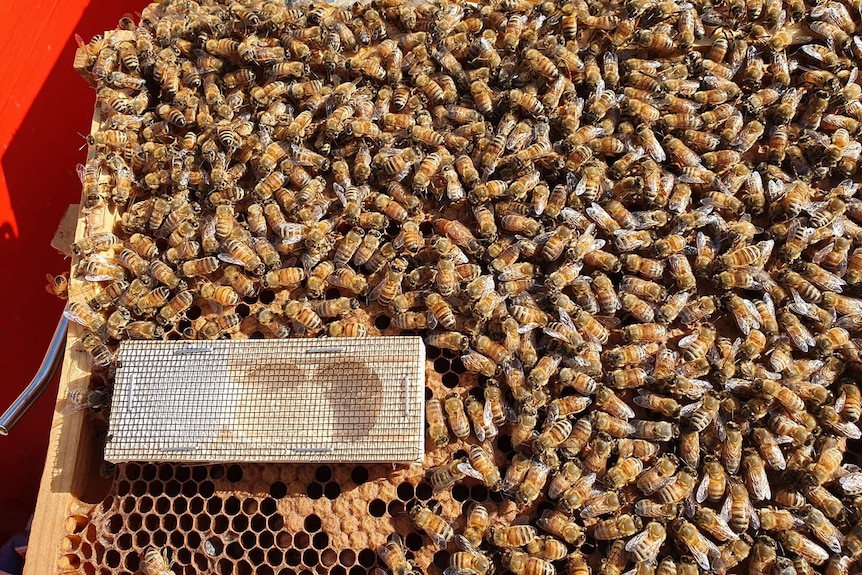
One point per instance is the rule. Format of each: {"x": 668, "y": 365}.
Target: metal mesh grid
{"x": 298, "y": 400}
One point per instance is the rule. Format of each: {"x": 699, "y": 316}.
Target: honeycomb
{"x": 274, "y": 519}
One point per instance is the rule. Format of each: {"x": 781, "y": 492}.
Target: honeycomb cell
{"x": 131, "y": 470}
{"x": 234, "y": 550}
{"x": 328, "y": 557}
{"x": 193, "y": 540}
{"x": 424, "y": 491}
{"x": 284, "y": 540}
{"x": 359, "y": 475}
{"x": 266, "y": 296}
{"x": 395, "y": 508}
{"x": 155, "y": 488}
{"x": 138, "y": 489}
{"x": 198, "y": 473}
{"x": 496, "y": 497}
{"x": 183, "y": 556}
{"x": 301, "y": 540}
{"x": 367, "y": 558}
{"x": 320, "y": 541}
{"x": 112, "y": 558}
{"x": 214, "y": 505}
{"x": 312, "y": 523}
{"x": 432, "y": 352}
{"x": 149, "y": 472}
{"x": 450, "y": 380}
{"x": 220, "y": 524}
{"x": 347, "y": 557}
{"x": 479, "y": 492}
{"x": 377, "y": 508}
{"x": 458, "y": 366}
{"x": 124, "y": 542}
{"x": 134, "y": 521}
{"x": 248, "y": 540}
{"x": 166, "y": 472}
{"x": 217, "y": 471}
{"x": 310, "y": 557}
{"x": 265, "y": 540}
{"x": 232, "y": 505}
{"x": 193, "y": 313}
{"x": 224, "y": 566}
{"x": 323, "y": 473}
{"x": 190, "y": 489}
{"x": 460, "y": 492}
{"x": 177, "y": 539}
{"x": 256, "y": 556}
{"x": 275, "y": 522}
{"x": 293, "y": 557}
{"x": 239, "y": 523}
{"x": 159, "y": 538}
{"x": 180, "y": 505}
{"x": 169, "y": 522}
{"x": 123, "y": 487}
{"x": 182, "y": 472}
{"x": 274, "y": 557}
{"x": 413, "y": 541}
{"x": 213, "y": 546}
{"x": 268, "y": 506}
{"x": 337, "y": 570}
{"x": 382, "y": 321}
{"x": 405, "y": 491}
{"x": 257, "y": 523}
{"x": 314, "y": 490}
{"x": 441, "y": 365}
{"x": 250, "y": 505}
{"x": 278, "y": 490}
{"x": 144, "y": 504}
{"x": 200, "y": 562}
{"x": 441, "y": 559}
{"x": 332, "y": 490}
{"x": 186, "y": 522}
{"x": 132, "y": 562}
{"x": 142, "y": 539}
{"x": 203, "y": 522}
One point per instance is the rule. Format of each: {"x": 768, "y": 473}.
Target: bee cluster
{"x": 636, "y": 224}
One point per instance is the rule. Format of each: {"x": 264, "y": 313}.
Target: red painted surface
{"x": 43, "y": 106}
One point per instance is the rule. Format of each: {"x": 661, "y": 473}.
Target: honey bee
{"x": 645, "y": 546}
{"x": 392, "y": 553}
{"x": 510, "y": 536}
{"x": 521, "y": 563}
{"x": 437, "y": 429}
{"x": 804, "y": 547}
{"x": 154, "y": 562}
{"x": 437, "y": 528}
{"x": 478, "y": 522}
{"x": 560, "y": 525}
{"x": 701, "y": 548}
{"x": 484, "y": 468}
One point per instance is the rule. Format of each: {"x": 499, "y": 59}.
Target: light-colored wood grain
{"x": 68, "y": 475}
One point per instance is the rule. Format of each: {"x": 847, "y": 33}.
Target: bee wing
{"x": 702, "y": 489}
{"x": 231, "y": 260}
{"x": 339, "y": 193}
{"x": 851, "y": 484}
{"x": 463, "y": 544}
{"x": 688, "y": 410}
{"x": 847, "y": 429}
{"x": 720, "y": 429}
{"x": 488, "y": 416}
{"x": 688, "y": 340}
{"x": 839, "y": 403}
{"x": 469, "y": 470}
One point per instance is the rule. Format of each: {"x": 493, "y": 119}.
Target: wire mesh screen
{"x": 296, "y": 400}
